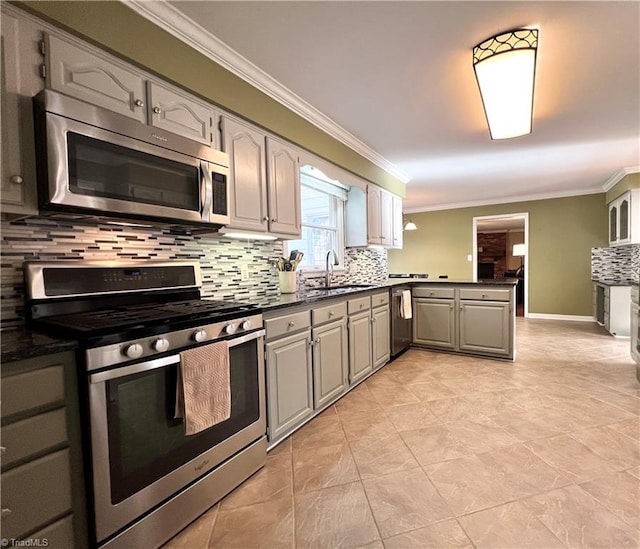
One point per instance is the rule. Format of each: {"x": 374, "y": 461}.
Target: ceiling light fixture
{"x": 409, "y": 226}
{"x": 505, "y": 70}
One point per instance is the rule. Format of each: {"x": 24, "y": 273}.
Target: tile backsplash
{"x": 220, "y": 259}
{"x": 617, "y": 264}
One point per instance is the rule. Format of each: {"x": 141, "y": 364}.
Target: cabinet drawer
{"x": 33, "y": 435}
{"x": 485, "y": 294}
{"x": 32, "y": 390}
{"x": 380, "y": 299}
{"x": 329, "y": 312}
{"x": 58, "y": 533}
{"x": 358, "y": 305}
{"x": 287, "y": 324}
{"x": 431, "y": 291}
{"x": 35, "y": 493}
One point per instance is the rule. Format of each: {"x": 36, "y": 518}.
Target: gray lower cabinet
{"x": 476, "y": 319}
{"x": 434, "y": 322}
{"x": 330, "y": 362}
{"x": 381, "y": 332}
{"x": 289, "y": 383}
{"x": 42, "y": 479}
{"x": 360, "y": 359}
{"x": 484, "y": 327}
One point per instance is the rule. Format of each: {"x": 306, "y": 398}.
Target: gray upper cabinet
{"x": 248, "y": 198}
{"x": 283, "y": 174}
{"x": 360, "y": 359}
{"x": 374, "y": 226}
{"x": 434, "y": 322}
{"x": 289, "y": 383}
{"x": 95, "y": 78}
{"x": 484, "y": 327}
{"x": 20, "y": 81}
{"x": 330, "y": 362}
{"x": 98, "y": 78}
{"x": 381, "y": 341}
{"x": 175, "y": 112}
{"x": 397, "y": 222}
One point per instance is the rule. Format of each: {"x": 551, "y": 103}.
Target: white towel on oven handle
{"x": 405, "y": 304}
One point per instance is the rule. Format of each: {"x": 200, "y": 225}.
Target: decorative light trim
{"x": 504, "y": 66}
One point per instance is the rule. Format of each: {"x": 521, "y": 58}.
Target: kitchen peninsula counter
{"x": 310, "y": 295}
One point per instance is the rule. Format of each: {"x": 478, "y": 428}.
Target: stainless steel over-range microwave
{"x": 91, "y": 160}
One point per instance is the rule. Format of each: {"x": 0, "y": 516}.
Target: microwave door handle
{"x": 206, "y": 191}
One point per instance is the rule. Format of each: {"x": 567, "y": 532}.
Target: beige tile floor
{"x": 438, "y": 450}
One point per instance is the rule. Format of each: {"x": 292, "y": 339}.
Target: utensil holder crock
{"x": 287, "y": 280}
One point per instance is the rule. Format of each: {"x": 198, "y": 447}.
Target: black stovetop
{"x": 138, "y": 320}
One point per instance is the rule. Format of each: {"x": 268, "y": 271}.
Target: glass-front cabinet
{"x": 624, "y": 219}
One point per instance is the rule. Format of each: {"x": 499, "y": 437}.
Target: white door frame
{"x": 525, "y": 217}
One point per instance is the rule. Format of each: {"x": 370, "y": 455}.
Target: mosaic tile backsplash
{"x": 616, "y": 265}
{"x": 220, "y": 259}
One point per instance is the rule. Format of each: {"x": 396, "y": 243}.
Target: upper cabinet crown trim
{"x": 185, "y": 29}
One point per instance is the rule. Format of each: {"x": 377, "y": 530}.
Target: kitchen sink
{"x": 345, "y": 287}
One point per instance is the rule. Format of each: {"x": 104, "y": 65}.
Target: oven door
{"x": 108, "y": 173}
{"x": 140, "y": 454}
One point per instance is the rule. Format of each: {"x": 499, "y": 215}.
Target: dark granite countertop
{"x": 20, "y": 343}
{"x": 606, "y": 282}
{"x": 280, "y": 301}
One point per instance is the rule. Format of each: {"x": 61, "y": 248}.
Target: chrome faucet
{"x": 329, "y": 267}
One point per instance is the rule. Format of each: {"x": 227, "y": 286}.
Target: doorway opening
{"x": 501, "y": 250}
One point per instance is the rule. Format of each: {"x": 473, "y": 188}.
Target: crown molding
{"x": 506, "y": 200}
{"x": 617, "y": 176}
{"x": 185, "y": 29}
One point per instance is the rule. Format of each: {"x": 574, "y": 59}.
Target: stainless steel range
{"x": 148, "y": 478}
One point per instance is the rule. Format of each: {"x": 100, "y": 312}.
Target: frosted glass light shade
{"x": 505, "y": 71}
{"x": 519, "y": 250}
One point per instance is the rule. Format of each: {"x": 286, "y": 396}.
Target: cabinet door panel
{"x": 179, "y": 114}
{"x": 386, "y": 218}
{"x": 289, "y": 383}
{"x": 397, "y": 222}
{"x": 613, "y": 223}
{"x": 248, "y": 189}
{"x": 434, "y": 323}
{"x": 360, "y": 363}
{"x": 374, "y": 224}
{"x": 624, "y": 222}
{"x": 484, "y": 327}
{"x": 284, "y": 189}
{"x": 94, "y": 79}
{"x": 381, "y": 336}
{"x": 330, "y": 362}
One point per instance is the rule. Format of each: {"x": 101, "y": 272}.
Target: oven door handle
{"x": 248, "y": 337}
{"x": 101, "y": 377}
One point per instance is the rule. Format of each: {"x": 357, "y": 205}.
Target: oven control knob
{"x": 199, "y": 336}
{"x": 246, "y": 325}
{"x": 134, "y": 350}
{"x": 229, "y": 329}
{"x": 161, "y": 345}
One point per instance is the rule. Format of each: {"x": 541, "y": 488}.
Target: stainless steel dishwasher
{"x": 400, "y": 327}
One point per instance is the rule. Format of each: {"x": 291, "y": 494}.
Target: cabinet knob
{"x": 139, "y": 103}
{"x": 6, "y": 511}
{"x": 331, "y": 313}
{"x": 361, "y": 305}
{"x": 16, "y": 179}
{"x": 292, "y": 324}
{"x": 273, "y": 220}
{"x": 484, "y": 295}
{"x": 310, "y": 342}
{"x": 3, "y": 449}
{"x": 265, "y": 218}
{"x": 317, "y": 341}
{"x": 156, "y": 110}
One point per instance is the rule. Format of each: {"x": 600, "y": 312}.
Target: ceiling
{"x": 397, "y": 75}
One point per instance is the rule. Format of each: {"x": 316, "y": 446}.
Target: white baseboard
{"x": 576, "y": 318}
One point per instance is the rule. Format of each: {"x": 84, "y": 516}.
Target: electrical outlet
{"x": 244, "y": 272}
{"x": 469, "y": 257}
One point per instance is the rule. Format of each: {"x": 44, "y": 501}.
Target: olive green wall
{"x": 562, "y": 232}
{"x": 628, "y": 182}
{"x": 115, "y": 27}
